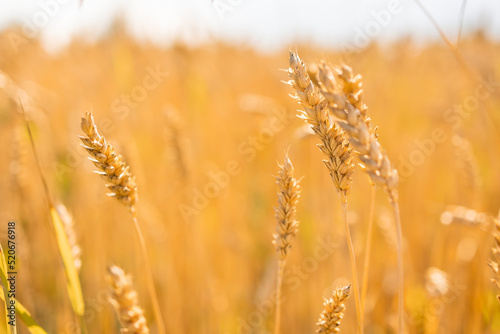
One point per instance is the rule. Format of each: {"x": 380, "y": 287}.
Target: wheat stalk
{"x": 342, "y": 90}
{"x": 125, "y": 301}
{"x": 122, "y": 185}
{"x": 329, "y": 320}
{"x": 333, "y": 144}
{"x": 286, "y": 225}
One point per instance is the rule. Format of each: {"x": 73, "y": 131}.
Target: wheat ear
{"x": 125, "y": 301}
{"x": 113, "y": 170}
{"x": 494, "y": 262}
{"x": 286, "y": 225}
{"x": 342, "y": 90}
{"x": 334, "y": 145}
{"x": 69, "y": 228}
{"x": 315, "y": 112}
{"x": 122, "y": 185}
{"x": 329, "y": 320}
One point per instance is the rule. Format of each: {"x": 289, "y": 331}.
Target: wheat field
{"x": 205, "y": 132}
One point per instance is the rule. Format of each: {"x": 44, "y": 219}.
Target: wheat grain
{"x": 329, "y": 320}
{"x": 125, "y": 301}
{"x": 113, "y": 170}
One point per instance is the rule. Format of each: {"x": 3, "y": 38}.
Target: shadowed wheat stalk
{"x": 329, "y": 320}
{"x": 122, "y": 186}
{"x": 333, "y": 144}
{"x": 286, "y": 225}
{"x": 125, "y": 301}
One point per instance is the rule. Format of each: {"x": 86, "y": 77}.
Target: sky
{"x": 265, "y": 24}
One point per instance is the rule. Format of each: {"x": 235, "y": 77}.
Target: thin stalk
{"x": 279, "y": 284}
{"x": 461, "y": 21}
{"x": 355, "y": 282}
{"x": 149, "y": 274}
{"x": 368, "y": 247}
{"x": 397, "y": 217}
{"x": 468, "y": 70}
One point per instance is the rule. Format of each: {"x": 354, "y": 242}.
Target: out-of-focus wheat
{"x": 494, "y": 262}
{"x": 329, "y": 320}
{"x": 69, "y": 228}
{"x": 125, "y": 301}
{"x": 286, "y": 225}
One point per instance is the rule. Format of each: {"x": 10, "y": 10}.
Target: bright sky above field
{"x": 264, "y": 24}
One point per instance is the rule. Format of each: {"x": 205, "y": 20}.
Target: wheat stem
{"x": 368, "y": 247}
{"x": 279, "y": 285}
{"x": 149, "y": 274}
{"x": 353, "y": 263}
{"x": 393, "y": 198}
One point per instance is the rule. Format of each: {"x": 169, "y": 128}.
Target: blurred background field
{"x": 217, "y": 104}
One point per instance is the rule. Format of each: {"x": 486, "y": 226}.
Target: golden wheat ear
{"x": 286, "y": 225}
{"x": 342, "y": 90}
{"x": 124, "y": 299}
{"x": 329, "y": 320}
{"x": 288, "y": 197}
{"x": 334, "y": 144}
{"x": 112, "y": 168}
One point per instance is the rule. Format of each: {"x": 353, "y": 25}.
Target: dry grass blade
{"x": 329, "y": 320}
{"x": 114, "y": 171}
{"x": 286, "y": 225}
{"x": 125, "y": 301}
